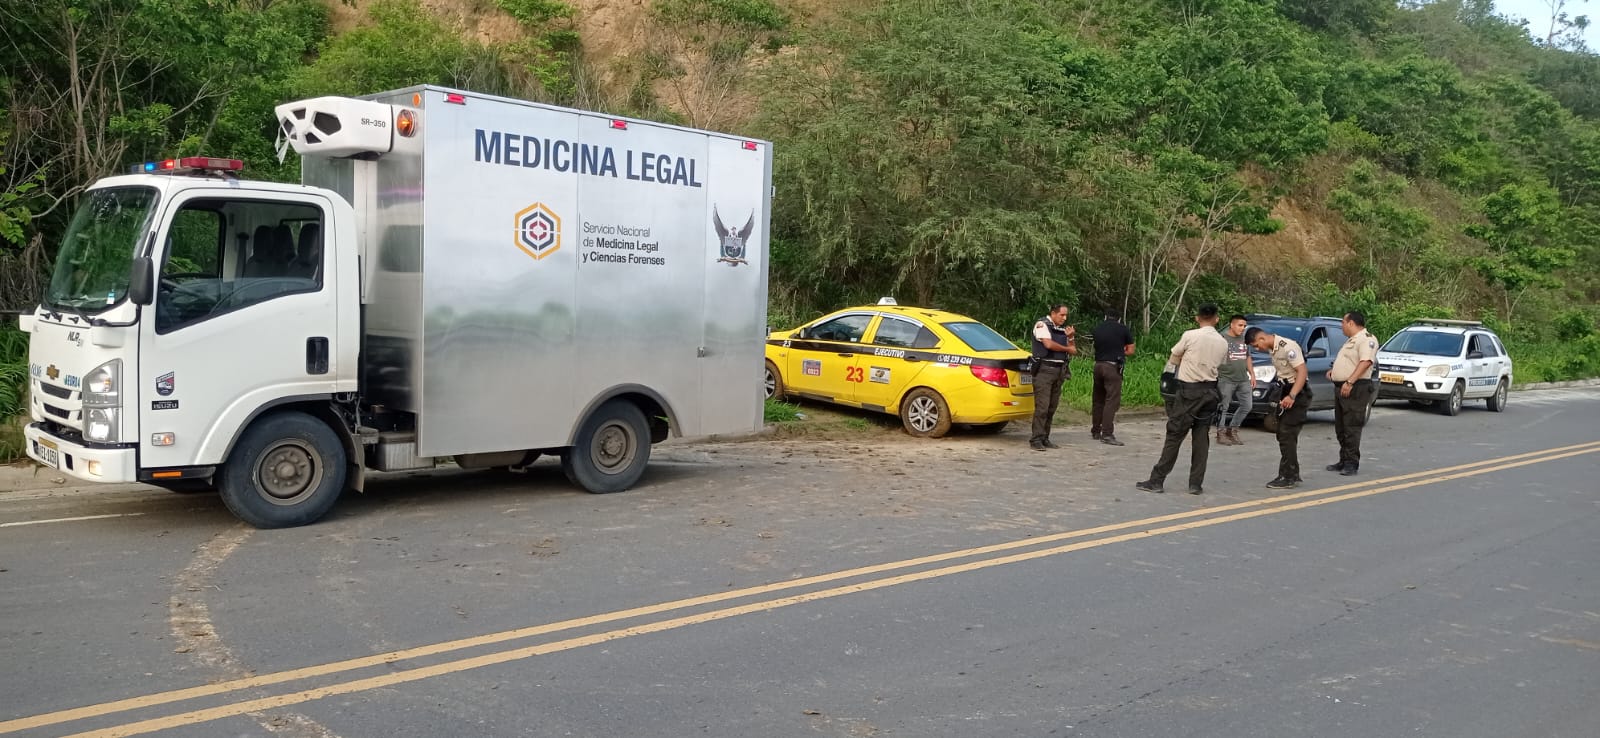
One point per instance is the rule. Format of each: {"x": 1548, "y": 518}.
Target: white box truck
{"x": 460, "y": 276}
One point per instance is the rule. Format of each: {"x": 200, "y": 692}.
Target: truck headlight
{"x": 102, "y": 401}
{"x": 1439, "y": 370}
{"x": 102, "y": 388}
{"x": 100, "y": 424}
{"x": 1265, "y": 373}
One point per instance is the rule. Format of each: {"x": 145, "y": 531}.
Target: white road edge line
{"x": 20, "y": 523}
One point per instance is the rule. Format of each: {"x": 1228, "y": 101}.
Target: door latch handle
{"x": 317, "y": 355}
{"x": 846, "y": 355}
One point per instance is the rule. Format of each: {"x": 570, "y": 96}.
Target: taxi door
{"x": 821, "y": 360}
{"x": 892, "y": 362}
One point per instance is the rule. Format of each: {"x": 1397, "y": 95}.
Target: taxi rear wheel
{"x": 773, "y": 383}
{"x": 925, "y": 414}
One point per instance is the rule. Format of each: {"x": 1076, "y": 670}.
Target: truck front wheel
{"x": 286, "y": 470}
{"x": 612, "y": 449}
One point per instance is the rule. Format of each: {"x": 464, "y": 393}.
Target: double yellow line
{"x": 985, "y": 557}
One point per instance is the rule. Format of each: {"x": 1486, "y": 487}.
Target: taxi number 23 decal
{"x": 854, "y": 374}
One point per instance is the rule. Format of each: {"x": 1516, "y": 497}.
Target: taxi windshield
{"x": 979, "y": 337}
{"x": 96, "y": 257}
{"x": 1427, "y": 343}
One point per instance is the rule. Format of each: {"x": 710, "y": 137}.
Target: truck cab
{"x": 185, "y": 303}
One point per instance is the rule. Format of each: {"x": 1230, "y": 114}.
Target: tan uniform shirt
{"x": 1361, "y": 347}
{"x": 1198, "y": 354}
{"x": 1286, "y": 357}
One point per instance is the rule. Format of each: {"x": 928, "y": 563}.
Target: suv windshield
{"x": 96, "y": 256}
{"x": 1427, "y": 343}
{"x": 980, "y": 337}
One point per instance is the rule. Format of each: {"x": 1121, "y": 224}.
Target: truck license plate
{"x": 1391, "y": 379}
{"x": 48, "y": 453}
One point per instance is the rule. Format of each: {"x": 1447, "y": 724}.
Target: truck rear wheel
{"x": 286, "y": 470}
{"x": 612, "y": 449}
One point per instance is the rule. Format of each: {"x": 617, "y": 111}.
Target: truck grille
{"x": 54, "y": 391}
{"x": 57, "y": 412}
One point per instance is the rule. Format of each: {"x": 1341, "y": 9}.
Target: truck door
{"x": 245, "y": 315}
{"x": 822, "y": 360}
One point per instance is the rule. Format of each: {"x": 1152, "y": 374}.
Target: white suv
{"x": 1443, "y": 362}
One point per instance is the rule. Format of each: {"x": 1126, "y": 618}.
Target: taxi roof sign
{"x": 887, "y": 301}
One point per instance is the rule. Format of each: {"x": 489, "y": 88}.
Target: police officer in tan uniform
{"x": 1052, "y": 346}
{"x": 1196, "y": 357}
{"x": 1289, "y": 361}
{"x": 1352, "y": 377}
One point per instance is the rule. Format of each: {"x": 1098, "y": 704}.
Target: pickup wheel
{"x": 286, "y": 470}
{"x": 1452, "y": 404}
{"x": 612, "y": 449}
{"x": 925, "y": 414}
{"x": 1497, "y": 401}
{"x": 773, "y": 382}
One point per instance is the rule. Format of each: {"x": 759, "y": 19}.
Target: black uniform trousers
{"x": 1191, "y": 411}
{"x": 1289, "y": 423}
{"x": 1107, "y": 398}
{"x": 1349, "y": 417}
{"x": 1047, "y": 384}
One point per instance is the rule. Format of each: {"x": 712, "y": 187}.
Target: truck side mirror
{"x": 142, "y": 281}
{"x": 1316, "y": 353}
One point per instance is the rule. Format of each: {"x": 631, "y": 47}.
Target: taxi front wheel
{"x": 925, "y": 414}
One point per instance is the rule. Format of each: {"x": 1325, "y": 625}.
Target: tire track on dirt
{"x": 189, "y": 617}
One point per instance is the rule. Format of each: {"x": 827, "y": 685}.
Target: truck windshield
{"x": 97, "y": 255}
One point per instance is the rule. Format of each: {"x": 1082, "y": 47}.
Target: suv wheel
{"x": 1497, "y": 401}
{"x": 1452, "y": 404}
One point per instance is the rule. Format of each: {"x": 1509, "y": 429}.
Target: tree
{"x": 1523, "y": 231}
{"x": 1566, "y": 30}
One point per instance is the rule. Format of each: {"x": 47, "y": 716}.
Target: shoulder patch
{"x": 1372, "y": 344}
{"x": 1292, "y": 355}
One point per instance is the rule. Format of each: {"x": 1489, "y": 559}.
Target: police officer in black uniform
{"x": 1052, "y": 345}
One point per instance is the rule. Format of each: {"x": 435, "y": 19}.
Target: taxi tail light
{"x": 992, "y": 375}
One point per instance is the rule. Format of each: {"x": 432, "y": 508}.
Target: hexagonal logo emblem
{"x": 538, "y": 231}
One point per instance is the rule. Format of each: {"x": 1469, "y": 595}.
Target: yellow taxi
{"x": 932, "y": 368}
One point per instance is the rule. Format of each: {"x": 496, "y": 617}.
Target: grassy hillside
{"x": 990, "y": 156}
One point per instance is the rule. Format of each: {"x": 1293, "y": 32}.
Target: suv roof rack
{"x": 1450, "y": 323}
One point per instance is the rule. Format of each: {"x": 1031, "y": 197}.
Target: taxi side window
{"x": 845, "y": 328}
{"x": 897, "y": 333}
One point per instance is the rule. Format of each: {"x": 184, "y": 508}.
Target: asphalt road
{"x": 868, "y": 585}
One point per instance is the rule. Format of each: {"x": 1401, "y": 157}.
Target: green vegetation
{"x": 776, "y": 411}
{"x": 13, "y": 389}
{"x": 1410, "y": 159}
